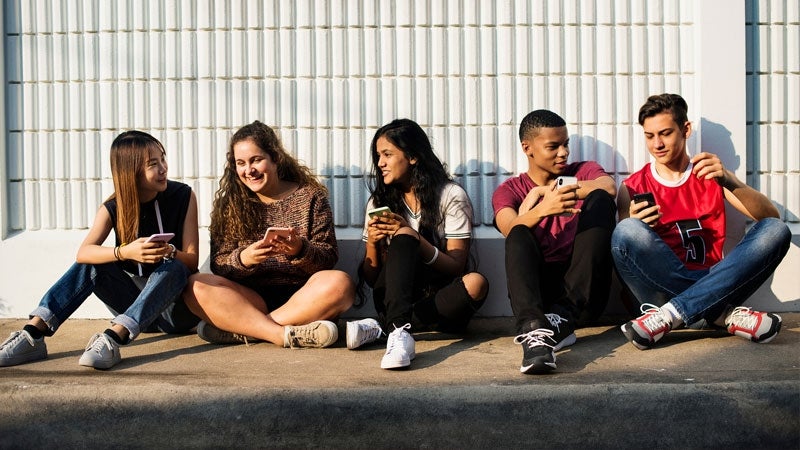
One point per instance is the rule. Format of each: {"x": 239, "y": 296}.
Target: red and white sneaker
{"x": 755, "y": 326}
{"x": 648, "y": 328}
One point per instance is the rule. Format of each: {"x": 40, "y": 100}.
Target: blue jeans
{"x": 135, "y": 309}
{"x": 654, "y": 274}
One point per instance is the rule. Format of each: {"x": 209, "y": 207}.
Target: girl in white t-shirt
{"x": 417, "y": 250}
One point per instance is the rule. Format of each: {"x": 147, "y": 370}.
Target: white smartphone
{"x": 160, "y": 237}
{"x": 565, "y": 181}
{"x": 273, "y": 232}
{"x": 378, "y": 211}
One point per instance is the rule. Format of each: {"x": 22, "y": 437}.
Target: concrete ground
{"x": 697, "y": 389}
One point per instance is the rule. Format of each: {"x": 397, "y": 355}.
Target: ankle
{"x": 35, "y": 332}
{"x": 674, "y": 318}
{"x": 113, "y": 335}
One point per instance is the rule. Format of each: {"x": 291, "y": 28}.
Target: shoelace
{"x": 535, "y": 338}
{"x": 16, "y": 337}
{"x": 743, "y": 317}
{"x": 97, "y": 344}
{"x": 655, "y": 319}
{"x": 304, "y": 334}
{"x": 555, "y": 320}
{"x": 396, "y": 336}
{"x": 371, "y": 333}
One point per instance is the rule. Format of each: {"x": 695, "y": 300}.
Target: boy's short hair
{"x": 672, "y": 103}
{"x": 541, "y": 118}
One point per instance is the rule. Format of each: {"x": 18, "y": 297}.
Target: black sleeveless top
{"x": 173, "y": 204}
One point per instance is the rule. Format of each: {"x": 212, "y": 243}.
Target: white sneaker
{"x": 21, "y": 347}
{"x": 102, "y": 352}
{"x": 399, "y": 349}
{"x": 362, "y": 332}
{"x": 322, "y": 333}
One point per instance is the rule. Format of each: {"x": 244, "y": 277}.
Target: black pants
{"x": 576, "y": 289}
{"x": 407, "y": 289}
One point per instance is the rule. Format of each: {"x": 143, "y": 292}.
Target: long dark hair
{"x": 428, "y": 176}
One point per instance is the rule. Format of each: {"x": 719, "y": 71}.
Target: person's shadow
{"x": 716, "y": 138}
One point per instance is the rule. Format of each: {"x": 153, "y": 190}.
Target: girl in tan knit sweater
{"x": 279, "y": 289}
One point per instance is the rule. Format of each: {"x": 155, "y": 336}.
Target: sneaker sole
{"x": 631, "y": 336}
{"x": 98, "y": 365}
{"x": 396, "y": 364}
{"x": 8, "y": 362}
{"x": 533, "y": 369}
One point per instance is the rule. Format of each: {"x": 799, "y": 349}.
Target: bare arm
{"x": 91, "y": 250}
{"x": 744, "y": 198}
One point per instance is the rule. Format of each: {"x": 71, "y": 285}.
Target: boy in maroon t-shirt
{"x": 558, "y": 261}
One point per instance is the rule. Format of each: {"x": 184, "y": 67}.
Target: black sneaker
{"x": 563, "y": 331}
{"x": 537, "y": 351}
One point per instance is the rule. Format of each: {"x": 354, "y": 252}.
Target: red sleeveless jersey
{"x": 693, "y": 221}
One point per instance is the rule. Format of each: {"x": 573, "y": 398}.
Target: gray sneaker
{"x": 322, "y": 333}
{"x": 20, "y": 348}
{"x": 102, "y": 352}
{"x": 214, "y": 335}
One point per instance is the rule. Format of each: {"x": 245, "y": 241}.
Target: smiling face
{"x": 394, "y": 165}
{"x": 255, "y": 167}
{"x": 547, "y": 152}
{"x": 666, "y": 140}
{"x": 153, "y": 178}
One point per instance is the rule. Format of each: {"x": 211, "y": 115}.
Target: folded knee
{"x": 477, "y": 286}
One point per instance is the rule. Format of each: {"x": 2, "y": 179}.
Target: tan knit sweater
{"x": 308, "y": 210}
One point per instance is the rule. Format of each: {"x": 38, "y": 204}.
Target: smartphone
{"x": 275, "y": 232}
{"x": 378, "y": 211}
{"x": 565, "y": 181}
{"x": 645, "y": 197}
{"x": 160, "y": 237}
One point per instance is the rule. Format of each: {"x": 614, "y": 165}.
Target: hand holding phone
{"x": 274, "y": 232}
{"x": 645, "y": 197}
{"x": 649, "y": 201}
{"x": 160, "y": 237}
{"x": 565, "y": 181}
{"x": 378, "y": 211}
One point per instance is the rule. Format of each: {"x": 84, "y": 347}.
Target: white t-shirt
{"x": 456, "y": 211}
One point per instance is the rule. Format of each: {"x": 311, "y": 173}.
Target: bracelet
{"x": 116, "y": 253}
{"x": 434, "y": 257}
{"x": 172, "y": 253}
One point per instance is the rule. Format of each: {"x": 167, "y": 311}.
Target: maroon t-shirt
{"x": 555, "y": 234}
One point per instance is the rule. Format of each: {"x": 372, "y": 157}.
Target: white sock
{"x": 675, "y": 318}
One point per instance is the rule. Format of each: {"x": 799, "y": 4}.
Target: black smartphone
{"x": 645, "y": 197}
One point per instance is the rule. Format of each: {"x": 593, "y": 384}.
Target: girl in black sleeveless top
{"x": 140, "y": 280}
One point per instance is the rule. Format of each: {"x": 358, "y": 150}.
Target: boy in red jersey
{"x": 670, "y": 253}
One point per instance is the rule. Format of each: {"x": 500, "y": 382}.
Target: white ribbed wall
{"x": 327, "y": 74}
{"x": 773, "y": 91}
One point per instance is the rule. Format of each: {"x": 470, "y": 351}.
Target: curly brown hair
{"x": 234, "y": 203}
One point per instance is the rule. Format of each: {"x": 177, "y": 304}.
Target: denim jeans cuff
{"x": 48, "y": 317}
{"x": 130, "y": 324}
